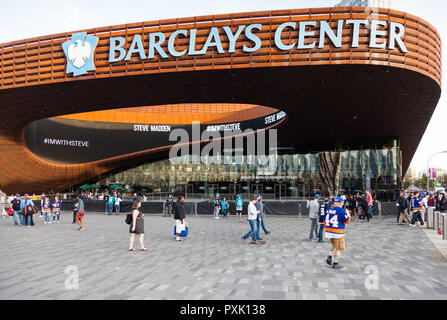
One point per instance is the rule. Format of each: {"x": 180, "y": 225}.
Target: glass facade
{"x": 292, "y": 176}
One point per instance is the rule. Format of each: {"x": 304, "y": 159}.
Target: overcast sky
{"x": 20, "y": 19}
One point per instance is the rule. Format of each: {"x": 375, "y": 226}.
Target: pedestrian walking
{"x": 46, "y": 210}
{"x": 239, "y": 203}
{"x": 323, "y": 206}
{"x": 137, "y": 227}
{"x": 260, "y": 221}
{"x": 169, "y": 203}
{"x": 15, "y": 204}
{"x": 118, "y": 201}
{"x": 80, "y": 212}
{"x": 110, "y": 203}
{"x": 179, "y": 216}
{"x": 369, "y": 201}
{"x": 416, "y": 206}
{"x": 314, "y": 209}
{"x": 224, "y": 205}
{"x": 27, "y": 210}
{"x": 217, "y": 206}
{"x": 56, "y": 207}
{"x": 252, "y": 218}
{"x": 335, "y": 220}
{"x": 443, "y": 203}
{"x": 404, "y": 207}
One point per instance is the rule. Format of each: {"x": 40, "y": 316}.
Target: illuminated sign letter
{"x": 356, "y": 31}
{"x": 374, "y": 33}
{"x": 326, "y": 29}
{"x": 397, "y": 37}
{"x": 278, "y": 33}
{"x": 136, "y": 42}
{"x": 171, "y": 49}
{"x": 253, "y": 38}
{"x": 214, "y": 34}
{"x": 233, "y": 38}
{"x": 304, "y": 33}
{"x": 156, "y": 44}
{"x": 114, "y": 47}
{"x": 192, "y": 43}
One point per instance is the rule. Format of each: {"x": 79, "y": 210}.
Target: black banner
{"x": 76, "y": 141}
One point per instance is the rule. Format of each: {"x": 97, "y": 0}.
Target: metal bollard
{"x": 444, "y": 232}
{"x": 430, "y": 217}
{"x": 441, "y": 224}
{"x": 436, "y": 221}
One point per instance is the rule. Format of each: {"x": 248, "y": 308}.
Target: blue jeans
{"x": 117, "y": 208}
{"x": 47, "y": 216}
{"x": 370, "y": 212}
{"x": 320, "y": 232}
{"x": 253, "y": 230}
{"x": 17, "y": 214}
{"x": 398, "y": 213}
{"x": 110, "y": 208}
{"x": 58, "y": 214}
{"x": 27, "y": 220}
{"x": 259, "y": 225}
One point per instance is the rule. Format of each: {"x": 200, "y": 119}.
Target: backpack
{"x": 128, "y": 218}
{"x": 28, "y": 210}
{"x": 10, "y": 212}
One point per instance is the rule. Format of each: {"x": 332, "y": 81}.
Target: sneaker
{"x": 178, "y": 239}
{"x": 45, "y": 222}
{"x": 336, "y": 265}
{"x": 329, "y": 260}
{"x": 254, "y": 242}
{"x": 412, "y": 225}
{"x": 81, "y": 228}
{"x": 267, "y": 232}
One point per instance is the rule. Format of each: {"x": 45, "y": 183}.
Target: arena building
{"x": 350, "y": 96}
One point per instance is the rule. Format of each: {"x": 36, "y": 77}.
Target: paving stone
{"x": 215, "y": 265}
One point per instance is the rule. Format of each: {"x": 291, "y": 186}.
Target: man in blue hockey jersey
{"x": 416, "y": 206}
{"x": 334, "y": 222}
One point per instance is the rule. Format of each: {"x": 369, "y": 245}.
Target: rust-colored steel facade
{"x": 366, "y": 91}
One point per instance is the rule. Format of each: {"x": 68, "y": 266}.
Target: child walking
{"x": 56, "y": 209}
{"x": 224, "y": 205}
{"x": 46, "y": 210}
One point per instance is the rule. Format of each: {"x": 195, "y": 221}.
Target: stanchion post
{"x": 430, "y": 213}
{"x": 436, "y": 221}
{"x": 444, "y": 232}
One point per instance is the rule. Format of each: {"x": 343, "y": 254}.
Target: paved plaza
{"x": 382, "y": 261}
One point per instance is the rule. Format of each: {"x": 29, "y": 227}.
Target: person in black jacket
{"x": 169, "y": 203}
{"x": 443, "y": 203}
{"x": 323, "y": 206}
{"x": 400, "y": 204}
{"x": 179, "y": 216}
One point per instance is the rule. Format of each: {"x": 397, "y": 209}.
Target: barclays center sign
{"x": 382, "y": 35}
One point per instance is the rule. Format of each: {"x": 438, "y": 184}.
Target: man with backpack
{"x": 27, "y": 209}
{"x": 15, "y": 204}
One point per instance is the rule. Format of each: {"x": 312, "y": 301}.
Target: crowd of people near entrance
{"x": 416, "y": 204}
